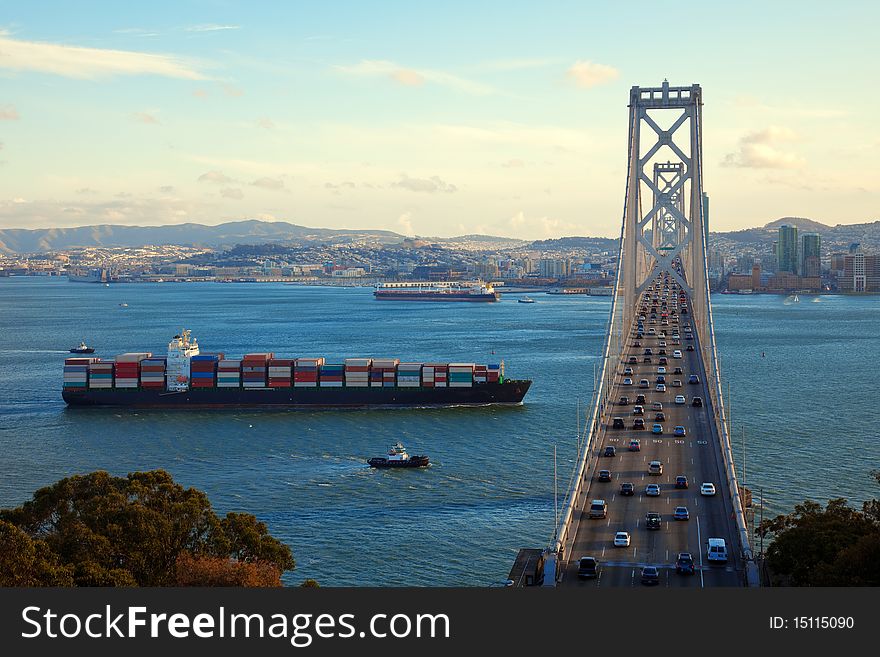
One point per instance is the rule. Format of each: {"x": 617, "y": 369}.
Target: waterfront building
{"x": 811, "y": 256}
{"x": 861, "y": 273}
{"x": 787, "y": 250}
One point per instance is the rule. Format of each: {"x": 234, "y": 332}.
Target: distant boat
{"x": 123, "y": 305}
{"x": 106, "y": 284}
{"x": 398, "y": 458}
{"x": 526, "y": 300}
{"x": 796, "y": 300}
{"x": 82, "y": 349}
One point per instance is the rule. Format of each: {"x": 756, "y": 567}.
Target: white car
{"x": 676, "y": 383}
{"x": 661, "y": 370}
{"x": 707, "y": 489}
{"x": 661, "y": 387}
{"x": 627, "y": 381}
{"x": 679, "y": 399}
{"x": 621, "y": 539}
{"x": 652, "y": 490}
{"x": 676, "y": 353}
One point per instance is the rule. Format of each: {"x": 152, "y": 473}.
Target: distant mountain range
{"x": 14, "y": 241}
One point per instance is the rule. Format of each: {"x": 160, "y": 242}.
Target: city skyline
{"x": 476, "y": 120}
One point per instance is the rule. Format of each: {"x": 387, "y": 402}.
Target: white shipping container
{"x": 331, "y": 384}
{"x": 133, "y": 357}
{"x": 460, "y": 384}
{"x": 305, "y": 384}
{"x": 408, "y": 384}
{"x": 358, "y": 362}
{"x": 357, "y": 384}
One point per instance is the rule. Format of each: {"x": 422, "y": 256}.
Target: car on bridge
{"x": 604, "y": 475}
{"x": 643, "y": 383}
{"x": 598, "y": 509}
{"x": 650, "y": 576}
{"x": 652, "y": 490}
{"x": 657, "y": 428}
{"x": 707, "y": 489}
{"x": 627, "y": 488}
{"x": 676, "y": 353}
{"x": 628, "y": 371}
{"x": 677, "y": 370}
{"x": 609, "y": 451}
{"x": 698, "y": 401}
{"x": 661, "y": 370}
{"x": 657, "y": 406}
{"x": 627, "y": 381}
{"x": 649, "y": 351}
{"x": 681, "y": 513}
{"x": 661, "y": 387}
{"x": 676, "y": 383}
{"x": 638, "y": 409}
{"x": 646, "y": 359}
{"x": 653, "y": 520}
{"x": 693, "y": 379}
{"x": 617, "y": 423}
{"x": 632, "y": 360}
{"x": 638, "y": 424}
{"x": 660, "y": 417}
{"x": 662, "y": 361}
{"x": 681, "y": 481}
{"x": 635, "y": 445}
{"x": 679, "y": 431}
{"x": 621, "y": 539}
{"x": 684, "y": 564}
{"x": 680, "y": 399}
{"x": 640, "y": 399}
{"x": 588, "y": 567}
{"x": 690, "y": 347}
{"x": 655, "y": 468}
{"x": 661, "y": 378}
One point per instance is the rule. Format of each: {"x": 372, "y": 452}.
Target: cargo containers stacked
{"x": 357, "y": 372}
{"x": 382, "y": 372}
{"x": 76, "y": 372}
{"x": 480, "y": 373}
{"x": 461, "y": 375}
{"x": 203, "y": 370}
{"x": 332, "y": 375}
{"x": 409, "y": 375}
{"x": 281, "y": 372}
{"x": 229, "y": 373}
{"x": 128, "y": 369}
{"x": 253, "y": 369}
{"x": 434, "y": 375}
{"x": 153, "y": 373}
{"x": 305, "y": 372}
{"x": 495, "y": 372}
{"x": 101, "y": 374}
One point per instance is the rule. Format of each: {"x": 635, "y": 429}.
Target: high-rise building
{"x": 811, "y": 256}
{"x": 554, "y": 267}
{"x": 756, "y": 277}
{"x": 861, "y": 273}
{"x": 787, "y": 250}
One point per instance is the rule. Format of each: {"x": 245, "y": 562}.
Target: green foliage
{"x": 834, "y": 546}
{"x": 98, "y": 530}
{"x": 310, "y": 584}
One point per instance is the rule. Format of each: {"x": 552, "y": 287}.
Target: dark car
{"x": 604, "y": 475}
{"x": 698, "y": 401}
{"x": 627, "y": 488}
{"x": 623, "y": 401}
{"x": 662, "y": 361}
{"x": 610, "y": 451}
{"x": 632, "y": 360}
{"x": 588, "y": 567}
{"x": 660, "y": 417}
{"x": 681, "y": 481}
{"x": 661, "y": 379}
{"x": 650, "y": 576}
{"x": 684, "y": 564}
{"x": 648, "y": 352}
{"x": 693, "y": 378}
{"x": 640, "y": 399}
{"x": 677, "y": 370}
{"x": 637, "y": 344}
{"x": 646, "y": 359}
{"x": 617, "y": 423}
{"x": 690, "y": 347}
{"x": 653, "y": 520}
{"x": 638, "y": 423}
{"x": 662, "y": 352}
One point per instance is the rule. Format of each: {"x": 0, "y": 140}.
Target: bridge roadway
{"x": 697, "y": 456}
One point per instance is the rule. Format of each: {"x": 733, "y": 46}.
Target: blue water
{"x": 490, "y": 488}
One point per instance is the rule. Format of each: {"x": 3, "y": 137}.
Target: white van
{"x": 717, "y": 550}
{"x": 598, "y": 509}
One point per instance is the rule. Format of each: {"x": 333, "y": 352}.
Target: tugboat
{"x": 82, "y": 349}
{"x": 398, "y": 458}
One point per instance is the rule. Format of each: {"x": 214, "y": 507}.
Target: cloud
{"x": 405, "y": 222}
{"x": 145, "y": 117}
{"x": 414, "y": 77}
{"x": 211, "y": 27}
{"x": 8, "y": 112}
{"x": 275, "y": 184}
{"x": 136, "y": 31}
{"x": 86, "y": 190}
{"x": 268, "y": 124}
{"x": 429, "y": 185}
{"x": 231, "y": 192}
{"x": 758, "y": 150}
{"x": 514, "y": 163}
{"x": 89, "y": 63}
{"x": 216, "y": 177}
{"x": 167, "y": 189}
{"x": 590, "y": 74}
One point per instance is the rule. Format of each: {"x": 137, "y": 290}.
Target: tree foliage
{"x": 832, "y": 546}
{"x": 98, "y": 530}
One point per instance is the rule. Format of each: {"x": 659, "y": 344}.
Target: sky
{"x": 503, "y": 118}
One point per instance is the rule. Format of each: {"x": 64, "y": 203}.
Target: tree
{"x": 28, "y": 562}
{"x": 222, "y": 571}
{"x": 131, "y": 531}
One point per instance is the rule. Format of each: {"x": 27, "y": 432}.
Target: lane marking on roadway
{"x": 700, "y": 546}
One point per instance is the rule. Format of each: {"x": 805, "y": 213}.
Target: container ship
{"x": 437, "y": 291}
{"x": 187, "y": 378}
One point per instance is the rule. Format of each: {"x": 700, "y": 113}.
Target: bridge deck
{"x": 697, "y": 455}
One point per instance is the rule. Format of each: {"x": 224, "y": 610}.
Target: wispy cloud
{"x": 146, "y": 117}
{"x": 8, "y": 112}
{"x": 211, "y": 27}
{"x": 136, "y": 31}
{"x": 760, "y": 150}
{"x": 429, "y": 185}
{"x": 589, "y": 74}
{"x": 217, "y": 177}
{"x": 274, "y": 184}
{"x": 414, "y": 77}
{"x": 89, "y": 63}
{"x": 231, "y": 192}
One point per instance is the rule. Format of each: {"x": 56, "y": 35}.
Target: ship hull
{"x": 435, "y": 296}
{"x": 509, "y": 392}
